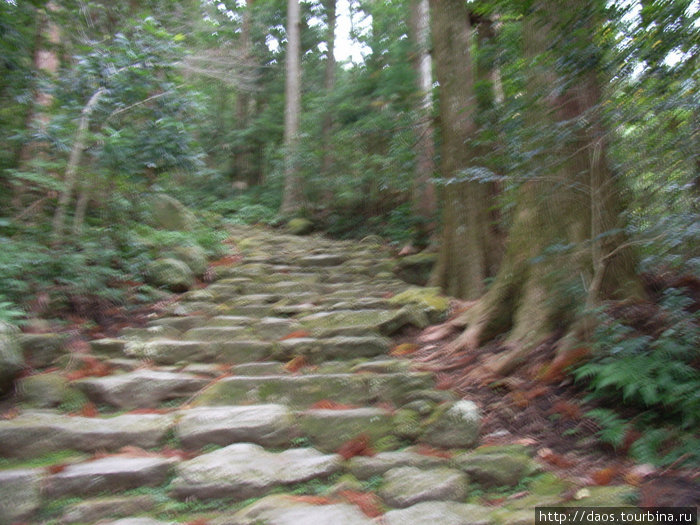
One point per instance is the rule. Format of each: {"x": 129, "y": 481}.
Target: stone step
{"x": 140, "y": 389}
{"x": 341, "y": 347}
{"x": 244, "y": 470}
{"x": 304, "y": 390}
{"x": 40, "y": 432}
{"x": 223, "y": 350}
{"x": 109, "y": 474}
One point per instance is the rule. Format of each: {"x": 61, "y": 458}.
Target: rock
{"x": 181, "y": 324}
{"x": 193, "y": 256}
{"x": 285, "y": 510}
{"x": 110, "y": 474}
{"x": 214, "y": 333}
{"x": 11, "y": 362}
{"x": 172, "y": 274}
{"x": 407, "y": 423}
{"x": 150, "y": 333}
{"x": 430, "y": 300}
{"x": 300, "y": 226}
{"x": 108, "y": 346}
{"x": 267, "y": 425}
{"x": 170, "y": 214}
{"x": 440, "y": 512}
{"x": 329, "y": 429}
{"x": 406, "y": 486}
{"x": 43, "y": 390}
{"x": 43, "y": 350}
{"x": 409, "y": 315}
{"x": 140, "y": 389}
{"x": 111, "y": 507}
{"x": 316, "y": 350}
{"x": 322, "y": 260}
{"x": 19, "y": 494}
{"x": 496, "y": 469}
{"x": 35, "y": 433}
{"x": 416, "y": 269}
{"x": 244, "y": 470}
{"x": 453, "y": 425}
{"x": 169, "y": 352}
{"x": 364, "y": 467}
{"x": 138, "y": 521}
{"x": 383, "y": 366}
{"x": 274, "y": 328}
{"x": 242, "y": 351}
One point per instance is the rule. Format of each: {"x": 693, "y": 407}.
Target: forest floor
{"x": 304, "y": 382}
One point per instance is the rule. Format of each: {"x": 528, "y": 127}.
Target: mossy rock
{"x": 43, "y": 350}
{"x": 193, "y": 256}
{"x": 11, "y": 362}
{"x": 407, "y": 423}
{"x": 169, "y": 213}
{"x": 416, "y": 269}
{"x": 171, "y": 274}
{"x": 44, "y": 390}
{"x": 300, "y": 226}
{"x": 547, "y": 484}
{"x": 430, "y": 300}
{"x": 497, "y": 469}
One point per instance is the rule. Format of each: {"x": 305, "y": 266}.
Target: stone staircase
{"x": 268, "y": 397}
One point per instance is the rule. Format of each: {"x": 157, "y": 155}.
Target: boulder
{"x": 430, "y": 300}
{"x": 406, "y": 486}
{"x": 328, "y": 430}
{"x": 11, "y": 362}
{"x": 364, "y": 467}
{"x": 193, "y": 256}
{"x": 169, "y": 213}
{"x": 300, "y": 226}
{"x": 453, "y": 425}
{"x": 93, "y": 510}
{"x": 416, "y": 269}
{"x": 172, "y": 274}
{"x": 496, "y": 469}
{"x": 43, "y": 350}
{"x": 43, "y": 390}
{"x": 19, "y": 494}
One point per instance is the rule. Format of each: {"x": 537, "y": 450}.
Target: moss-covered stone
{"x": 416, "y": 269}
{"x": 170, "y": 214}
{"x": 547, "y": 484}
{"x": 172, "y": 274}
{"x": 300, "y": 226}
{"x": 44, "y": 390}
{"x": 429, "y": 300}
{"x": 328, "y": 430}
{"x": 43, "y": 350}
{"x": 496, "y": 469}
{"x": 453, "y": 425}
{"x": 193, "y": 256}
{"x": 407, "y": 423}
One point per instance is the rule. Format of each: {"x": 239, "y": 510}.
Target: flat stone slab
{"x": 364, "y": 467}
{"x": 321, "y": 260}
{"x": 214, "y": 333}
{"x": 406, "y": 486}
{"x": 455, "y": 425}
{"x": 110, "y": 507}
{"x": 496, "y": 469}
{"x": 169, "y": 352}
{"x": 439, "y": 512}
{"x": 35, "y": 433}
{"x": 341, "y": 347}
{"x": 304, "y": 390}
{"x": 328, "y": 430}
{"x": 267, "y": 425}
{"x": 244, "y": 470}
{"x": 110, "y": 474}
{"x": 285, "y": 510}
{"x": 140, "y": 389}
{"x": 19, "y": 494}
{"x": 242, "y": 351}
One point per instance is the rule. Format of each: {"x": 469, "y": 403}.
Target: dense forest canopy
{"x": 544, "y": 155}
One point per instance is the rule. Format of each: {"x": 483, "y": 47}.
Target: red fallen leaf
{"x": 296, "y": 335}
{"x": 177, "y": 453}
{"x": 58, "y": 467}
{"x": 567, "y": 409}
{"x": 89, "y": 410}
{"x": 140, "y": 411}
{"x": 603, "y": 476}
{"x": 563, "y": 360}
{"x": 427, "y": 450}
{"x": 357, "y": 446}
{"x": 10, "y": 414}
{"x": 495, "y": 501}
{"x": 295, "y": 364}
{"x": 369, "y": 503}
{"x": 229, "y": 260}
{"x": 199, "y": 521}
{"x": 404, "y": 349}
{"x": 327, "y": 404}
{"x": 312, "y": 500}
{"x": 548, "y": 455}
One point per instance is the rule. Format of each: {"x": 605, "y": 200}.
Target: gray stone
{"x": 300, "y": 226}
{"x": 284, "y": 510}
{"x": 244, "y": 470}
{"x": 138, "y": 521}
{"x": 43, "y": 350}
{"x": 108, "y": 346}
{"x": 267, "y": 425}
{"x": 140, "y": 389}
{"x": 383, "y": 366}
{"x": 242, "y": 351}
{"x": 364, "y": 467}
{"x": 43, "y": 390}
{"x": 169, "y": 352}
{"x": 151, "y": 332}
{"x": 316, "y": 350}
{"x": 35, "y": 433}
{"x": 323, "y": 260}
{"x": 110, "y": 474}
{"x": 329, "y": 429}
{"x": 259, "y": 369}
{"x": 171, "y": 274}
{"x": 214, "y": 333}
{"x": 19, "y": 494}
{"x": 274, "y": 328}
{"x": 170, "y": 214}
{"x": 406, "y": 486}
{"x": 179, "y": 323}
{"x": 231, "y": 320}
{"x": 440, "y": 513}
{"x": 496, "y": 470}
{"x": 11, "y": 362}
{"x": 112, "y": 507}
{"x": 454, "y": 425}
{"x": 193, "y": 256}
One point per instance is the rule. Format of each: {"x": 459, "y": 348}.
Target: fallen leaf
{"x": 295, "y": 364}
{"x": 89, "y": 410}
{"x": 603, "y": 476}
{"x": 58, "y": 467}
{"x": 327, "y": 404}
{"x": 297, "y": 334}
{"x": 312, "y": 500}
{"x": 368, "y": 502}
{"x": 357, "y": 446}
{"x": 427, "y": 450}
{"x": 10, "y": 414}
{"x": 551, "y": 457}
{"x": 403, "y": 349}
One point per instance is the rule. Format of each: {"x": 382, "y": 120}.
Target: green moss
{"x": 427, "y": 298}
{"x": 45, "y": 460}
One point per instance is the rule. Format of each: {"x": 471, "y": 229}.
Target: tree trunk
{"x": 424, "y": 198}
{"x": 241, "y": 159}
{"x": 562, "y": 252}
{"x": 292, "y": 198}
{"x": 463, "y": 260}
{"x": 329, "y": 85}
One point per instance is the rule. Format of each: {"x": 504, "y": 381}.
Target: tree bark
{"x": 463, "y": 260}
{"x": 241, "y": 159}
{"x": 562, "y": 251}
{"x": 329, "y": 86}
{"x": 424, "y": 197}
{"x": 292, "y": 197}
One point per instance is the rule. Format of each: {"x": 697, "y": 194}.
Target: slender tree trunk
{"x": 556, "y": 258}
{"x": 463, "y": 259}
{"x": 74, "y": 159}
{"x": 292, "y": 198}
{"x": 329, "y": 86}
{"x": 241, "y": 159}
{"x": 424, "y": 197}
